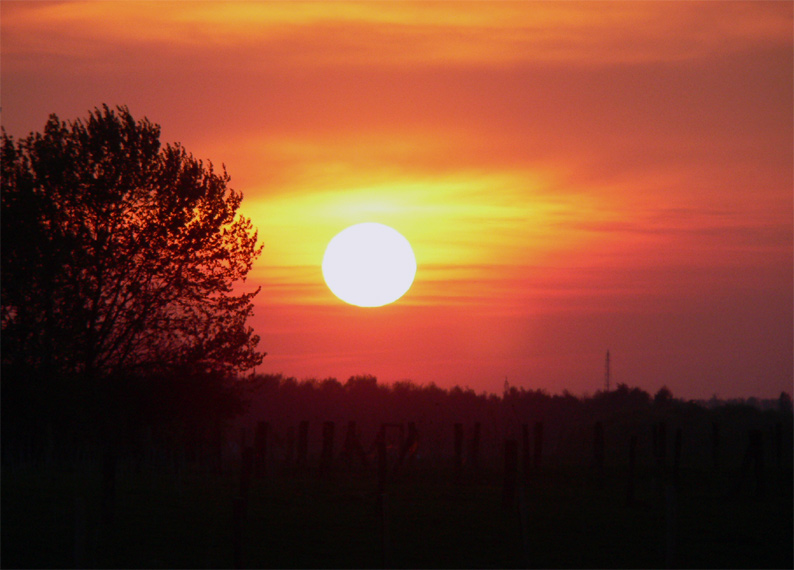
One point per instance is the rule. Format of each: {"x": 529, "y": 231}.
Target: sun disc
{"x": 369, "y": 265}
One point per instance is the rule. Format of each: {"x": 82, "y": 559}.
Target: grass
{"x": 167, "y": 521}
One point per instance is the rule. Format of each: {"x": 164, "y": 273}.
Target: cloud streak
{"x": 409, "y": 33}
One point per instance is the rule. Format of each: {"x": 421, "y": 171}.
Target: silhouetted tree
{"x": 119, "y": 257}
{"x": 119, "y": 253}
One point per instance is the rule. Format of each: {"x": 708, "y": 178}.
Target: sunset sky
{"x": 573, "y": 177}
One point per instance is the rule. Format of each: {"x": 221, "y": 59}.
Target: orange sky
{"x": 573, "y": 177}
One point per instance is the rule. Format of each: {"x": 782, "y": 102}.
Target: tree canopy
{"x": 120, "y": 254}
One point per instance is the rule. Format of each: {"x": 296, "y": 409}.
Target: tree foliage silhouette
{"x": 120, "y": 255}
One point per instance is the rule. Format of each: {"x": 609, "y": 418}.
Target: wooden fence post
{"x": 525, "y": 453}
{"x": 660, "y": 431}
{"x": 289, "y": 453}
{"x": 661, "y": 456}
{"x": 349, "y": 445}
{"x": 715, "y": 446}
{"x": 655, "y": 440}
{"x": 260, "y": 446}
{"x": 382, "y": 497}
{"x": 598, "y": 450}
{"x": 510, "y": 474}
{"x": 408, "y": 447}
{"x": 538, "y": 452}
{"x": 353, "y": 447}
{"x": 458, "y": 451}
{"x": 327, "y": 456}
{"x": 757, "y": 445}
{"x": 778, "y": 438}
{"x": 632, "y": 471}
{"x": 753, "y": 456}
{"x": 383, "y": 460}
{"x": 246, "y": 469}
{"x": 303, "y": 444}
{"x": 412, "y": 443}
{"x": 474, "y": 450}
{"x": 677, "y": 445}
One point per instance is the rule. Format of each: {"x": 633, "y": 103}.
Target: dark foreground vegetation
{"x": 425, "y": 477}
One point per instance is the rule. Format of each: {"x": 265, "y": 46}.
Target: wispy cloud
{"x": 406, "y": 33}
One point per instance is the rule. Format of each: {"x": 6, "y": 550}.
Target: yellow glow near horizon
{"x": 460, "y": 226}
{"x": 369, "y": 265}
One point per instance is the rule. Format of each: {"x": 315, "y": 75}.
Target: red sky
{"x": 573, "y": 177}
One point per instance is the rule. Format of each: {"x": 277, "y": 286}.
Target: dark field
{"x": 183, "y": 518}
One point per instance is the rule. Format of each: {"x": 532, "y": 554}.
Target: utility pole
{"x": 606, "y": 373}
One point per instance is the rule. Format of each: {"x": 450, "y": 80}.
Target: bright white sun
{"x": 369, "y": 265}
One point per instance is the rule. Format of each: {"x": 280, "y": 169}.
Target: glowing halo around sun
{"x": 369, "y": 265}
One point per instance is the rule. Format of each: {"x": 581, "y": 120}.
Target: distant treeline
{"x": 568, "y": 420}
{"x": 621, "y": 396}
